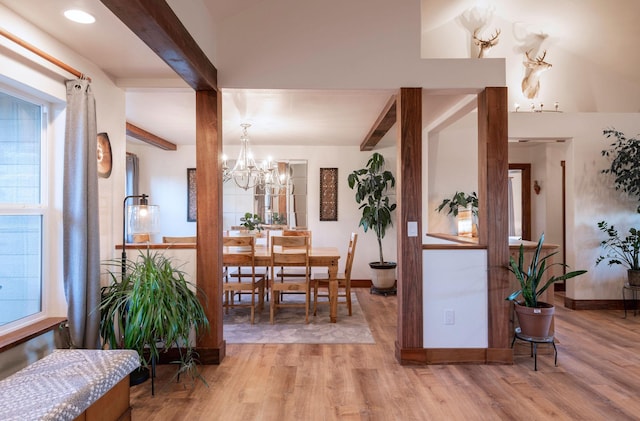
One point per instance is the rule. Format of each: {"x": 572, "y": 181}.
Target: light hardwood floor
{"x": 597, "y": 378}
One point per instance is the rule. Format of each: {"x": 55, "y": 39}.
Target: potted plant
{"x": 462, "y": 202}
{"x": 278, "y": 218}
{"x": 535, "y": 316}
{"x": 371, "y": 185}
{"x": 624, "y": 155}
{"x": 151, "y": 307}
{"x": 251, "y": 221}
{"x": 622, "y": 250}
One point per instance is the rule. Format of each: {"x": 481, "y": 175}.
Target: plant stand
{"x": 383, "y": 291}
{"x": 634, "y": 297}
{"x": 534, "y": 341}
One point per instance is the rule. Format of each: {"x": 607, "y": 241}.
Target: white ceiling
{"x": 159, "y": 102}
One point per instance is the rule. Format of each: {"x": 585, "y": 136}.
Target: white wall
{"x": 168, "y": 189}
{"x": 454, "y": 298}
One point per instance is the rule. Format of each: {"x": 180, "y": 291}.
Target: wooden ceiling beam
{"x": 143, "y": 135}
{"x": 158, "y": 26}
{"x": 385, "y": 121}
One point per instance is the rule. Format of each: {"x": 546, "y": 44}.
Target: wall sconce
{"x": 536, "y": 187}
{"x": 540, "y": 109}
{"x": 139, "y": 219}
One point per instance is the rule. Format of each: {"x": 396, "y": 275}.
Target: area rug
{"x": 290, "y": 328}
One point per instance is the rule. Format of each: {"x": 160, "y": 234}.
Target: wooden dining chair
{"x": 321, "y": 280}
{"x": 289, "y": 251}
{"x": 188, "y": 239}
{"x": 240, "y": 252}
{"x": 293, "y": 271}
{"x": 258, "y": 242}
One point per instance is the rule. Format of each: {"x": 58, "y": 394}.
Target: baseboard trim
{"x": 361, "y": 283}
{"x": 598, "y": 304}
{"x": 440, "y": 356}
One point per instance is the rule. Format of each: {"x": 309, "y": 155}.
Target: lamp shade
{"x": 143, "y": 219}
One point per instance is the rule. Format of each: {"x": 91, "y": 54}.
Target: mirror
{"x": 520, "y": 201}
{"x": 284, "y": 206}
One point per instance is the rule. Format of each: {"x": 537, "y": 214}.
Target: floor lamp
{"x": 140, "y": 219}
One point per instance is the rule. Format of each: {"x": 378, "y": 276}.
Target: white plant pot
{"x": 383, "y": 276}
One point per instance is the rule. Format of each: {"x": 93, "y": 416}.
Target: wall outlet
{"x": 449, "y": 317}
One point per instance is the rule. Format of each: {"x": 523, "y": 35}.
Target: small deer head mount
{"x": 485, "y": 45}
{"x": 534, "y": 68}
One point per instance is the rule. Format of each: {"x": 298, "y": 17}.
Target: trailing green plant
{"x": 251, "y": 221}
{"x": 151, "y": 308}
{"x": 459, "y": 199}
{"x": 620, "y": 250}
{"x": 371, "y": 185}
{"x": 531, "y": 277}
{"x": 624, "y": 157}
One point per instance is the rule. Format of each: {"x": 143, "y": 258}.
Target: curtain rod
{"x": 44, "y": 55}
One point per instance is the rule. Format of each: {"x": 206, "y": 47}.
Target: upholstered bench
{"x": 70, "y": 384}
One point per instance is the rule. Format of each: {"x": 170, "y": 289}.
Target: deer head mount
{"x": 485, "y": 45}
{"x": 534, "y": 68}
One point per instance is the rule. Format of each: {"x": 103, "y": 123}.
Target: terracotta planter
{"x": 634, "y": 277}
{"x": 535, "y": 321}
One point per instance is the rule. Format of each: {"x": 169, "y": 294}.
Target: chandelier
{"x": 247, "y": 174}
{"x": 275, "y": 177}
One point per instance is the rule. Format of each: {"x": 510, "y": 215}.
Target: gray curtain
{"x": 131, "y": 181}
{"x": 132, "y": 175}
{"x": 80, "y": 217}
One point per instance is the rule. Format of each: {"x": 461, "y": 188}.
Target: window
{"x": 22, "y": 207}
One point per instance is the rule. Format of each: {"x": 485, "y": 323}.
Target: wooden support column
{"x": 211, "y": 346}
{"x": 493, "y": 216}
{"x": 154, "y": 22}
{"x": 409, "y": 199}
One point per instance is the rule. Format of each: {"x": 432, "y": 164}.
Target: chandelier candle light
{"x": 247, "y": 174}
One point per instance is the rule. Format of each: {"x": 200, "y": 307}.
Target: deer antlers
{"x": 537, "y": 60}
{"x": 485, "y": 45}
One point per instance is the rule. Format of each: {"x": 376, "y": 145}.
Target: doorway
{"x": 520, "y": 200}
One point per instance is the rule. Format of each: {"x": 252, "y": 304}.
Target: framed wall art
{"x": 192, "y": 210}
{"x": 328, "y": 194}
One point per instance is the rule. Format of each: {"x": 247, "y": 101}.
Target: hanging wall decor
{"x": 328, "y": 194}
{"x": 105, "y": 161}
{"x": 191, "y": 195}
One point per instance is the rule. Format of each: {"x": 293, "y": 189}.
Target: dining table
{"x": 318, "y": 257}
